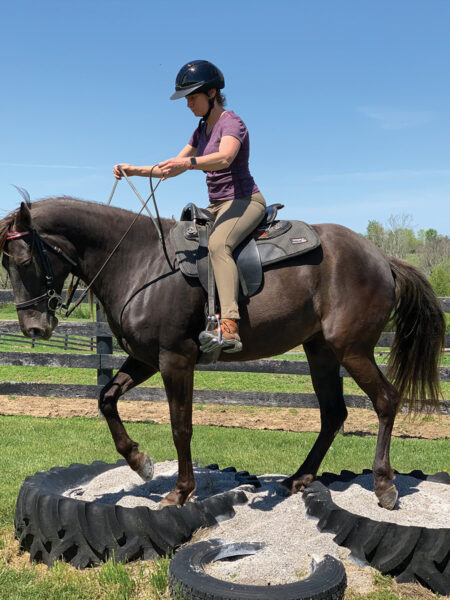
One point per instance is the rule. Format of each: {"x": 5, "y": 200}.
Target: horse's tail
{"x": 413, "y": 365}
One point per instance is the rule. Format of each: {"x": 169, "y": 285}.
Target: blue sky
{"x": 347, "y": 102}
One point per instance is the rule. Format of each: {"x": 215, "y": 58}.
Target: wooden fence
{"x": 105, "y": 361}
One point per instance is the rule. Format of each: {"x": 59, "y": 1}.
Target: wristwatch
{"x": 193, "y": 162}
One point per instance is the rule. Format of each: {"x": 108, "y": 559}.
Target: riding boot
{"x": 226, "y": 334}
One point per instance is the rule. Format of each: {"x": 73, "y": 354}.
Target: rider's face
{"x": 198, "y": 103}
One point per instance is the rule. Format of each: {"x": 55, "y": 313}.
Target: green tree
{"x": 433, "y": 251}
{"x": 375, "y": 233}
{"x": 400, "y": 238}
{"x": 440, "y": 278}
{"x": 431, "y": 235}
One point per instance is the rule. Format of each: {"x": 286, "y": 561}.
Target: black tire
{"x": 408, "y": 553}
{"x": 188, "y": 580}
{"x": 51, "y": 526}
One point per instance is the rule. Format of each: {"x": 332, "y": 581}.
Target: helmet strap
{"x": 206, "y": 115}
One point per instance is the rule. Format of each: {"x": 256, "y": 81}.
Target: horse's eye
{"x": 23, "y": 264}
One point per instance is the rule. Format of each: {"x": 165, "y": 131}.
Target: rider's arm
{"x": 228, "y": 149}
{"x": 155, "y": 170}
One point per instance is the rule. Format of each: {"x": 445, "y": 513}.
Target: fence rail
{"x": 105, "y": 361}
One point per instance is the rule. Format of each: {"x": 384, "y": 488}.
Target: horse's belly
{"x": 279, "y": 318}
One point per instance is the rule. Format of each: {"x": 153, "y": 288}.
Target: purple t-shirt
{"x": 235, "y": 181}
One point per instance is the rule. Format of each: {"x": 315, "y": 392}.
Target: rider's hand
{"x": 174, "y": 166}
{"x": 125, "y": 166}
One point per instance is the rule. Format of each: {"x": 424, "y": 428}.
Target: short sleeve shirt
{"x": 234, "y": 181}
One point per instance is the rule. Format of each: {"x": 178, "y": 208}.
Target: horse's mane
{"x": 42, "y": 205}
{"x": 5, "y": 224}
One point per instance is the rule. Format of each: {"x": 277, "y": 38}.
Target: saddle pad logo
{"x": 300, "y": 240}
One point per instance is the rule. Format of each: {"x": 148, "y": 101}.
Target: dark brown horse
{"x": 334, "y": 300}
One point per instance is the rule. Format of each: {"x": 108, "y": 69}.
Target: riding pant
{"x": 234, "y": 221}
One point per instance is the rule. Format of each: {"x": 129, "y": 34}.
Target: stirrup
{"x": 210, "y": 340}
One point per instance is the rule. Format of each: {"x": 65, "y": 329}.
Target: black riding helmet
{"x": 197, "y": 76}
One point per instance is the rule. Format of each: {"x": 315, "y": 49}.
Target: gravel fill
{"x": 273, "y": 517}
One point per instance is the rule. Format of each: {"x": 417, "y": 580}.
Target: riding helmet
{"x": 197, "y": 76}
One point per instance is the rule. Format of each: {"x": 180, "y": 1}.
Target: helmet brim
{"x": 187, "y": 90}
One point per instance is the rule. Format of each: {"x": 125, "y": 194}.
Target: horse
{"x": 334, "y": 300}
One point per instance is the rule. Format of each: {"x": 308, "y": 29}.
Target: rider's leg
{"x": 235, "y": 220}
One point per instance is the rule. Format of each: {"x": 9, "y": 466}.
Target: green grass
{"x": 268, "y": 382}
{"x": 30, "y": 444}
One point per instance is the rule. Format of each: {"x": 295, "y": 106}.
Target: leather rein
{"x": 54, "y": 300}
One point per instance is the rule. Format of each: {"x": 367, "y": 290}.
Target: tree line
{"x": 427, "y": 249}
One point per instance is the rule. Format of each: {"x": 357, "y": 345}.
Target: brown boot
{"x": 227, "y": 336}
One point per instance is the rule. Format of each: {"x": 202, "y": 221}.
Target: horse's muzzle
{"x": 38, "y": 328}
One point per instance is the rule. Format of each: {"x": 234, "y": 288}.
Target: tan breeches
{"x": 235, "y": 220}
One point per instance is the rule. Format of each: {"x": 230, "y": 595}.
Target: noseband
{"x": 54, "y": 300}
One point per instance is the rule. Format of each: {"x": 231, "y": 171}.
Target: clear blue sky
{"x": 347, "y": 102}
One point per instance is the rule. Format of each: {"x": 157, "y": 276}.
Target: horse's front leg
{"x": 131, "y": 373}
{"x": 177, "y": 371}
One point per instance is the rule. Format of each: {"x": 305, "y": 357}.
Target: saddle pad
{"x": 297, "y": 239}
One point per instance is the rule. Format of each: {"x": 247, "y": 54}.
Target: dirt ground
{"x": 359, "y": 421}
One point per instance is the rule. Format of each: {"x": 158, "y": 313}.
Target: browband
{"x": 14, "y": 235}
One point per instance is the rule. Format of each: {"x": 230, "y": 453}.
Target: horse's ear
{"x": 23, "y": 218}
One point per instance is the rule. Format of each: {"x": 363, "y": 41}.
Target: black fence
{"x": 91, "y": 345}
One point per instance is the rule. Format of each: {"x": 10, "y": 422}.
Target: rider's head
{"x": 200, "y": 77}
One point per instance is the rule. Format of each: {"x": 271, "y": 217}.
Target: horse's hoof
{"x": 175, "y": 498}
{"x": 388, "y": 500}
{"x": 146, "y": 469}
{"x": 297, "y": 485}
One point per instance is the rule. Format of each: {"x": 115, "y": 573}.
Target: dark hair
{"x": 221, "y": 99}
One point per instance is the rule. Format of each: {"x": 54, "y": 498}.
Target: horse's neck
{"x": 112, "y": 262}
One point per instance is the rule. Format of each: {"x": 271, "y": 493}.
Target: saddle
{"x": 272, "y": 241}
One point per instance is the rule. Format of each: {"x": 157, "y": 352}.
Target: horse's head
{"x": 36, "y": 272}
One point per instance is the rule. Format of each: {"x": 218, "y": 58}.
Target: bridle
{"x": 54, "y": 300}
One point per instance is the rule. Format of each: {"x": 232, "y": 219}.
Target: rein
{"x": 144, "y": 205}
{"x": 54, "y": 300}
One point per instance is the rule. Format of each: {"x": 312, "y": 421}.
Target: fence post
{"x": 104, "y": 346}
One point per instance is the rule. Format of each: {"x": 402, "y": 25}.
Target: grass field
{"x": 29, "y": 444}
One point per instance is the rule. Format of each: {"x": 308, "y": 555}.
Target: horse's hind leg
{"x": 385, "y": 400}
{"x": 131, "y": 373}
{"x": 324, "y": 368}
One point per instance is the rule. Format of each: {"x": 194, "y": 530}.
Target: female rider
{"x": 219, "y": 147}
